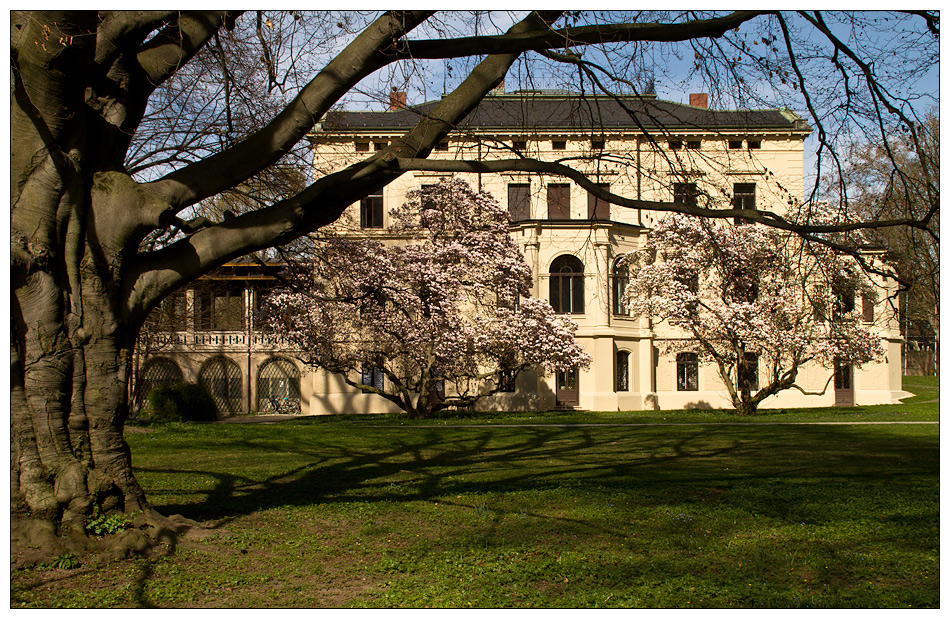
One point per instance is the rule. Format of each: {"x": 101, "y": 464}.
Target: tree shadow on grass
{"x": 780, "y": 472}
{"x": 413, "y": 464}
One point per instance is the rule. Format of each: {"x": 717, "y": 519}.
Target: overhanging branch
{"x": 539, "y": 39}
{"x": 547, "y": 167}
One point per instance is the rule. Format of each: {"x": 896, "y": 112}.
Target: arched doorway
{"x": 221, "y": 377}
{"x": 278, "y": 380}
{"x": 157, "y": 372}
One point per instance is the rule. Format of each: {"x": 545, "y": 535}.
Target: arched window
{"x": 221, "y": 377}
{"x": 567, "y": 285}
{"x": 157, "y": 372}
{"x": 621, "y": 277}
{"x": 278, "y": 379}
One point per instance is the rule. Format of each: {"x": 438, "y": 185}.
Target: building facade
{"x": 639, "y": 147}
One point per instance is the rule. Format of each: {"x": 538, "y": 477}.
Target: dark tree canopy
{"x": 132, "y": 132}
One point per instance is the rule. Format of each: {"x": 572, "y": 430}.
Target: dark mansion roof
{"x": 569, "y": 111}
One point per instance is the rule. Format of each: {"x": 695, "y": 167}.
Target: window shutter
{"x": 559, "y": 201}
{"x": 597, "y": 208}
{"x": 867, "y": 308}
{"x": 519, "y": 202}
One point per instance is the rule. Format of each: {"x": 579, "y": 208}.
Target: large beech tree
{"x": 87, "y": 94}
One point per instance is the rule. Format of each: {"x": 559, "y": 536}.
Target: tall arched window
{"x": 621, "y": 277}
{"x": 222, "y": 378}
{"x": 622, "y": 371}
{"x": 278, "y": 379}
{"x": 567, "y": 285}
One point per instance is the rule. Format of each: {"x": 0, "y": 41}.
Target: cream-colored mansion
{"x": 641, "y": 148}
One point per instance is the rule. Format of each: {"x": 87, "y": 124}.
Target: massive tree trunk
{"x": 71, "y": 343}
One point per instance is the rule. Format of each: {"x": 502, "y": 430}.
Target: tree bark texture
{"x": 71, "y": 345}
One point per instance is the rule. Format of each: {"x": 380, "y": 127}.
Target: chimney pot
{"x": 699, "y": 99}
{"x": 397, "y": 100}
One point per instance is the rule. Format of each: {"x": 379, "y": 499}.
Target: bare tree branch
{"x": 176, "y": 43}
{"x": 372, "y": 49}
{"x": 123, "y": 29}
{"x": 582, "y": 35}
{"x": 548, "y": 167}
{"x": 323, "y": 201}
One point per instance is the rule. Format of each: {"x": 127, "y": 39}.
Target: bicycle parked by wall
{"x": 281, "y": 406}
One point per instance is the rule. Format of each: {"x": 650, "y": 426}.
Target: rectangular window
{"x": 621, "y": 279}
{"x": 685, "y": 193}
{"x": 743, "y": 198}
{"x": 427, "y": 201}
{"x": 372, "y": 376}
{"x": 371, "y": 211}
{"x": 843, "y": 299}
{"x": 567, "y": 294}
{"x": 819, "y": 303}
{"x": 689, "y": 279}
{"x": 362, "y": 147}
{"x": 220, "y": 309}
{"x": 170, "y": 315}
{"x": 735, "y": 144}
{"x": 519, "y": 201}
{"x": 743, "y": 288}
{"x": 506, "y": 381}
{"x": 378, "y": 146}
{"x": 842, "y": 375}
{"x": 597, "y": 208}
{"x": 867, "y": 308}
{"x": 442, "y": 146}
{"x": 597, "y": 144}
{"x": 754, "y": 144}
{"x": 508, "y": 299}
{"x": 519, "y": 145}
{"x": 558, "y": 144}
{"x": 687, "y": 371}
{"x": 694, "y": 144}
{"x": 622, "y": 367}
{"x": 259, "y": 321}
{"x": 559, "y": 201}
{"x": 748, "y": 372}
{"x": 676, "y": 144}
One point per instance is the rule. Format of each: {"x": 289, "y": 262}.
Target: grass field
{"x": 698, "y": 509}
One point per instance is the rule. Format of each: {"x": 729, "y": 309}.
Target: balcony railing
{"x": 222, "y": 340}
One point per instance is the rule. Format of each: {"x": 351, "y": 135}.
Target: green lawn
{"x": 384, "y": 512}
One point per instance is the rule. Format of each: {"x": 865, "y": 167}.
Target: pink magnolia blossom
{"x": 441, "y": 307}
{"x": 730, "y": 291}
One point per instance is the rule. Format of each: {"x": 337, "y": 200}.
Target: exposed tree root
{"x": 34, "y": 542}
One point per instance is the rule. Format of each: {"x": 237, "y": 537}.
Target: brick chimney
{"x": 397, "y": 100}
{"x": 699, "y": 99}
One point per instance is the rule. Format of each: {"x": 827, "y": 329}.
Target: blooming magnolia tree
{"x": 753, "y": 300}
{"x": 437, "y": 316}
